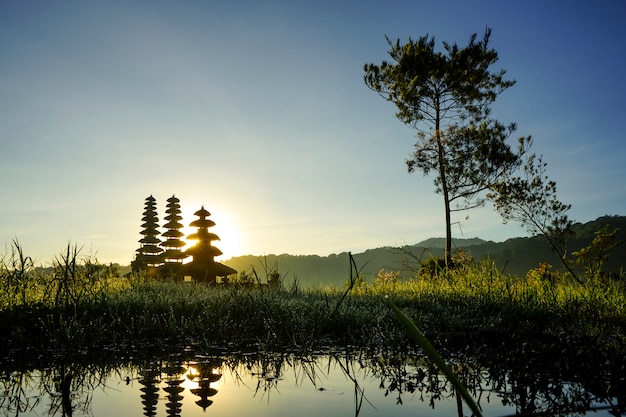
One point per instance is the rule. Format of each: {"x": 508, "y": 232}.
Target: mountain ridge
{"x": 515, "y": 255}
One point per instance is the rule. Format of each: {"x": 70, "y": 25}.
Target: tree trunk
{"x": 562, "y": 257}
{"x": 446, "y": 204}
{"x": 444, "y": 184}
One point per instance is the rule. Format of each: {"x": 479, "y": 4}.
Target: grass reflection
{"x": 190, "y": 383}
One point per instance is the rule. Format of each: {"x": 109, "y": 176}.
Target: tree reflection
{"x": 533, "y": 379}
{"x": 66, "y": 387}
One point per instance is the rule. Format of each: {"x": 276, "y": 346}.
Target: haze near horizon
{"x": 258, "y": 112}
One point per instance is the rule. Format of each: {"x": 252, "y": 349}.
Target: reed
{"x": 80, "y": 306}
{"x": 436, "y": 358}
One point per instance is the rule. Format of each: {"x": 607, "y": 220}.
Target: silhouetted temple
{"x": 203, "y": 267}
{"x": 173, "y": 255}
{"x": 149, "y": 252}
{"x": 164, "y": 257}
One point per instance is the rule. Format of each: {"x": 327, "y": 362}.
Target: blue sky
{"x": 258, "y": 111}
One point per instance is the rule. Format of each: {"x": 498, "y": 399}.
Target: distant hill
{"x": 440, "y": 243}
{"x": 515, "y": 256}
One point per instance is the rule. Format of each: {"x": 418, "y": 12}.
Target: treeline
{"x": 514, "y": 256}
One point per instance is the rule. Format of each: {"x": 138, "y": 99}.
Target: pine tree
{"x": 446, "y": 96}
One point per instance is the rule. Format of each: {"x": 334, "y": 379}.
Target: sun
{"x": 226, "y": 227}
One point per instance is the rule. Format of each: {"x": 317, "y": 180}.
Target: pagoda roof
{"x": 202, "y": 212}
{"x": 150, "y": 239}
{"x": 209, "y": 268}
{"x": 174, "y": 216}
{"x": 202, "y": 223}
{"x": 173, "y": 233}
{"x": 173, "y": 199}
{"x": 174, "y": 254}
{"x": 203, "y": 236}
{"x": 149, "y": 250}
{"x": 173, "y": 225}
{"x": 172, "y": 243}
{"x": 206, "y": 250}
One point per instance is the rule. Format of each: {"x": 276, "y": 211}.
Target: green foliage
{"x": 268, "y": 275}
{"x": 71, "y": 280}
{"x": 593, "y": 257}
{"x": 75, "y": 280}
{"x": 437, "y": 267}
{"x": 81, "y": 305}
{"x": 16, "y": 274}
{"x": 274, "y": 279}
{"x": 433, "y": 267}
{"x": 458, "y": 82}
{"x": 531, "y": 200}
{"x": 543, "y": 275}
{"x": 447, "y": 96}
{"x": 386, "y": 279}
{"x": 244, "y": 278}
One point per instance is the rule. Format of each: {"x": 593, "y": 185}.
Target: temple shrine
{"x": 203, "y": 267}
{"x": 165, "y": 258}
{"x": 149, "y": 253}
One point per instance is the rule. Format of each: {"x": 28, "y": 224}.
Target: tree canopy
{"x": 446, "y": 95}
{"x": 530, "y": 199}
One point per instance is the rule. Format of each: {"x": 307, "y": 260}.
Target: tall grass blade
{"x": 434, "y": 356}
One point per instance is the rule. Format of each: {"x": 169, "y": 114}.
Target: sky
{"x": 257, "y": 110}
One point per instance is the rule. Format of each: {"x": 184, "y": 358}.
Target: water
{"x": 278, "y": 384}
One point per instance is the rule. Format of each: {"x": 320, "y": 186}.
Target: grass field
{"x": 80, "y": 306}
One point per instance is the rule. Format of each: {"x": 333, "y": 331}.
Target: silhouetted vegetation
{"x": 85, "y": 312}
{"x": 83, "y": 306}
{"x": 447, "y": 96}
{"x": 530, "y": 199}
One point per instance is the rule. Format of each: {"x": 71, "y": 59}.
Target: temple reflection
{"x": 149, "y": 377}
{"x": 204, "y": 374}
{"x": 173, "y": 379}
{"x": 531, "y": 385}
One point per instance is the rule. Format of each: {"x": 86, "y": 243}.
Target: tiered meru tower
{"x": 203, "y": 267}
{"x": 149, "y": 252}
{"x": 173, "y": 255}
{"x": 165, "y": 257}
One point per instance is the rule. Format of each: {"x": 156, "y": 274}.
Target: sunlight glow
{"x": 191, "y": 377}
{"x": 226, "y": 227}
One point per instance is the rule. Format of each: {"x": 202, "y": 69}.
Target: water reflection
{"x": 330, "y": 382}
